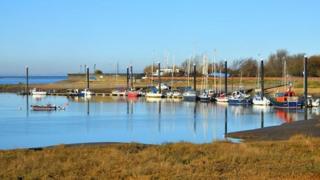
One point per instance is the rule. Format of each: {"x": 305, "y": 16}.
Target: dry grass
{"x": 297, "y": 158}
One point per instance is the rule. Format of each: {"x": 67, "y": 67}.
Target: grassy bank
{"x": 296, "y": 158}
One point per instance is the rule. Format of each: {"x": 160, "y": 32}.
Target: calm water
{"x": 32, "y": 79}
{"x": 118, "y": 120}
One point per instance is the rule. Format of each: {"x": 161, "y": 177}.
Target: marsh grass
{"x": 296, "y": 158}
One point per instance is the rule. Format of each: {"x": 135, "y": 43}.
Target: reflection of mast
{"x": 262, "y": 119}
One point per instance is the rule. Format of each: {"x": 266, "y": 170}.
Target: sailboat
{"x": 204, "y": 96}
{"x": 154, "y": 92}
{"x": 132, "y": 93}
{"x": 221, "y": 97}
{"x": 189, "y": 94}
{"x": 258, "y": 98}
{"x": 173, "y": 93}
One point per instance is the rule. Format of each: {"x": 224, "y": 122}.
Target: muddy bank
{"x": 283, "y": 132}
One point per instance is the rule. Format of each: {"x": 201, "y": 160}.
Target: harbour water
{"x": 117, "y": 119}
{"x": 32, "y": 79}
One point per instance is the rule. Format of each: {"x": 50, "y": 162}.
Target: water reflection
{"x": 118, "y": 119}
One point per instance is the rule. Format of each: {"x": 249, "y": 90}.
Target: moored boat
{"x": 258, "y": 100}
{"x": 36, "y": 91}
{"x": 221, "y": 98}
{"x": 190, "y": 95}
{"x": 287, "y": 99}
{"x": 86, "y": 93}
{"x": 204, "y": 97}
{"x": 239, "y": 98}
{"x": 118, "y": 92}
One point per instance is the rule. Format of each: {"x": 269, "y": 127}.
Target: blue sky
{"x": 54, "y": 37}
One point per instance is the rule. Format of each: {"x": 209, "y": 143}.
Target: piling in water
{"x": 262, "y": 79}
{"x": 127, "y": 78}
{"x": 225, "y": 77}
{"x": 159, "y": 70}
{"x": 131, "y": 77}
{"x": 88, "y": 86}
{"x": 27, "y": 81}
{"x": 194, "y": 77}
{"x": 305, "y": 80}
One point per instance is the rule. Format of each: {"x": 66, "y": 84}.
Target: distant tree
{"x": 148, "y": 69}
{"x": 98, "y": 72}
{"x": 314, "y": 66}
{"x": 274, "y": 65}
{"x": 248, "y": 67}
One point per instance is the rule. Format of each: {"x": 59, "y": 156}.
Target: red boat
{"x": 133, "y": 93}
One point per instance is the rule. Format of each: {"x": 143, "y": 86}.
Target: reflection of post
{"x": 225, "y": 122}
{"x": 27, "y": 90}
{"x": 195, "y": 118}
{"x": 131, "y": 107}
{"x": 128, "y": 107}
{"x": 159, "y": 116}
{"x": 88, "y": 107}
{"x": 262, "y": 119}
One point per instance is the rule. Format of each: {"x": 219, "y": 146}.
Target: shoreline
{"x": 309, "y": 128}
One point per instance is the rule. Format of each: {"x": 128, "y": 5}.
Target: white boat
{"x": 118, "y": 92}
{"x": 204, "y": 97}
{"x": 36, "y": 91}
{"x": 86, "y": 93}
{"x": 190, "y": 96}
{"x": 173, "y": 94}
{"x": 313, "y": 102}
{"x": 222, "y": 98}
{"x": 258, "y": 100}
{"x": 177, "y": 94}
{"x": 154, "y": 95}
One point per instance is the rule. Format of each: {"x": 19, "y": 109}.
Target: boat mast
{"x": 188, "y": 69}
{"x": 220, "y": 83}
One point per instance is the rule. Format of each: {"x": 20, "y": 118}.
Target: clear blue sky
{"x": 56, "y": 36}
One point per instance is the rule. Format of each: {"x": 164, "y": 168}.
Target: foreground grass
{"x": 297, "y": 158}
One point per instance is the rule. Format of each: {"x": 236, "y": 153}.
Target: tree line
{"x": 276, "y": 65}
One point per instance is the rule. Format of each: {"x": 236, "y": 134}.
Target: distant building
{"x": 166, "y": 71}
{"x": 217, "y": 74}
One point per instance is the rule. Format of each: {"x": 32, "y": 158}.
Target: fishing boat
{"x": 36, "y": 91}
{"x": 287, "y": 99}
{"x": 48, "y": 107}
{"x": 239, "y": 97}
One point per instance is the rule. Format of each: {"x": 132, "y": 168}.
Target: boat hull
{"x": 239, "y": 101}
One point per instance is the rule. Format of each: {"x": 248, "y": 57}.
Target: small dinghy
{"x": 48, "y": 107}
